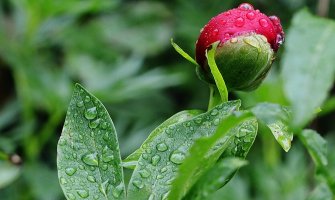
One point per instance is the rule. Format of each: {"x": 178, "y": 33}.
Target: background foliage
{"x": 120, "y": 51}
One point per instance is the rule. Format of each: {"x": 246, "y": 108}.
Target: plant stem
{"x": 214, "y": 97}
{"x": 220, "y": 83}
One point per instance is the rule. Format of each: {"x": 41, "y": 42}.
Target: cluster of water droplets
{"x": 93, "y": 163}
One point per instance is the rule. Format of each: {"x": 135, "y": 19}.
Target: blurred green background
{"x": 120, "y": 51}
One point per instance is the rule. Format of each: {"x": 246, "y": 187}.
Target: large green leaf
{"x": 131, "y": 160}
{"x": 158, "y": 166}
{"x": 215, "y": 178}
{"x": 276, "y": 118}
{"x": 88, "y": 160}
{"x": 308, "y": 65}
{"x": 206, "y": 151}
{"x": 316, "y": 146}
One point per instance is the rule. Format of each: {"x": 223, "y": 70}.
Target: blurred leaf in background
{"x": 120, "y": 51}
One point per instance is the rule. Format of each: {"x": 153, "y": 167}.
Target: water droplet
{"x": 74, "y": 155}
{"x": 138, "y": 183}
{"x": 198, "y": 120}
{"x": 105, "y": 136}
{"x": 87, "y": 99}
{"x": 94, "y": 124}
{"x": 104, "y": 167}
{"x": 164, "y": 169}
{"x": 62, "y": 141}
{"x": 215, "y": 32}
{"x": 81, "y": 167}
{"x": 245, "y": 6}
{"x": 155, "y": 159}
{"x": 214, "y": 112}
{"x": 83, "y": 193}
{"x": 91, "y": 113}
{"x": 264, "y": 23}
{"x": 62, "y": 181}
{"x": 80, "y": 104}
{"x": 91, "y": 179}
{"x": 107, "y": 158}
{"x": 275, "y": 20}
{"x": 161, "y": 147}
{"x": 216, "y": 122}
{"x": 117, "y": 191}
{"x": 239, "y": 22}
{"x": 104, "y": 125}
{"x": 144, "y": 173}
{"x": 145, "y": 156}
{"x": 177, "y": 157}
{"x": 159, "y": 176}
{"x": 233, "y": 40}
{"x": 71, "y": 196}
{"x": 279, "y": 39}
{"x": 226, "y": 36}
{"x": 70, "y": 171}
{"x": 251, "y": 15}
{"x": 90, "y": 159}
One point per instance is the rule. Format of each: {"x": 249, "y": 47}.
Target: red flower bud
{"x": 235, "y": 24}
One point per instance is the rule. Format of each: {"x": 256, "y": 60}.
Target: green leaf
{"x": 276, "y": 118}
{"x": 88, "y": 156}
{"x": 183, "y": 53}
{"x": 157, "y": 167}
{"x": 207, "y": 150}
{"x": 308, "y": 65}
{"x": 316, "y": 146}
{"x": 220, "y": 83}
{"x": 215, "y": 177}
{"x": 131, "y": 160}
{"x": 8, "y": 173}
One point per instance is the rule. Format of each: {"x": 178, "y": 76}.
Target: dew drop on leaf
{"x": 107, "y": 158}
{"x": 144, "y": 173}
{"x": 90, "y": 159}
{"x": 104, "y": 167}
{"x": 214, "y": 112}
{"x": 177, "y": 157}
{"x": 161, "y": 147}
{"x": 80, "y": 104}
{"x": 71, "y": 196}
{"x": 155, "y": 159}
{"x": 94, "y": 124}
{"x": 91, "y": 179}
{"x": 138, "y": 183}
{"x": 83, "y": 193}
{"x": 87, "y": 99}
{"x": 62, "y": 181}
{"x": 70, "y": 171}
{"x": 91, "y": 113}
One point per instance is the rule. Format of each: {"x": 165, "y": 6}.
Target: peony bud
{"x": 247, "y": 39}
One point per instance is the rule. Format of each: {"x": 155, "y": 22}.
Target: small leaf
{"x": 183, "y": 53}
{"x": 204, "y": 154}
{"x": 215, "y": 177}
{"x": 220, "y": 83}
{"x": 157, "y": 167}
{"x": 276, "y": 118}
{"x": 308, "y": 65}
{"x": 316, "y": 146}
{"x": 88, "y": 156}
{"x": 131, "y": 160}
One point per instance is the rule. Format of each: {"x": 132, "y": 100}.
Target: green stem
{"x": 220, "y": 83}
{"x": 214, "y": 97}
